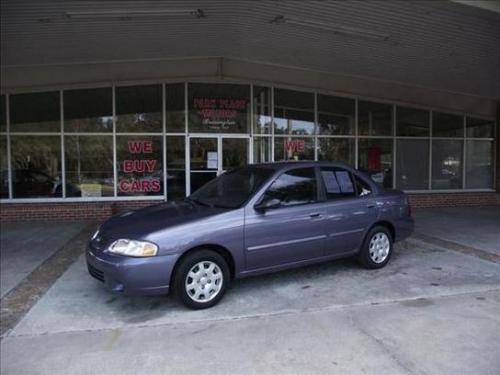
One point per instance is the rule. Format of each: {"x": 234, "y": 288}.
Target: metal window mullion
{"x": 394, "y": 147}
{"x": 464, "y": 153}
{"x": 9, "y": 153}
{"x": 316, "y": 126}
{"x": 164, "y": 137}
{"x": 429, "y": 183}
{"x": 252, "y": 124}
{"x": 272, "y": 124}
{"x": 115, "y": 167}
{"x": 219, "y": 154}
{"x": 63, "y": 154}
{"x": 187, "y": 142}
{"x": 356, "y": 134}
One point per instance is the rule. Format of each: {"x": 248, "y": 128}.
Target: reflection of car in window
{"x": 27, "y": 183}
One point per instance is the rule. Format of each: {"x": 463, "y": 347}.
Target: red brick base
{"x": 67, "y": 211}
{"x": 454, "y": 199}
{"x": 103, "y": 210}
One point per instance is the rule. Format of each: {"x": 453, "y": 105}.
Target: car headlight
{"x": 133, "y": 248}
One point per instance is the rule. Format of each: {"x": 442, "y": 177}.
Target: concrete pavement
{"x": 430, "y": 311}
{"x": 24, "y": 246}
{"x": 475, "y": 227}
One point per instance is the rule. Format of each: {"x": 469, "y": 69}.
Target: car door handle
{"x": 315, "y": 214}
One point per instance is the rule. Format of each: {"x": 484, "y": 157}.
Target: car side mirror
{"x": 267, "y": 204}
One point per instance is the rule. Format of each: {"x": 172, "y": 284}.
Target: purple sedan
{"x": 249, "y": 221}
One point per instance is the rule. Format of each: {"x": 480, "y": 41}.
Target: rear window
{"x": 338, "y": 183}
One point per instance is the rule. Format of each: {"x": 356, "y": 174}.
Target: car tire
{"x": 377, "y": 248}
{"x": 201, "y": 279}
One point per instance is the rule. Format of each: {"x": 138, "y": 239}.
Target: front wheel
{"x": 377, "y": 248}
{"x": 201, "y": 279}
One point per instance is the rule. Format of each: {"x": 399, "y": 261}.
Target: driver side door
{"x": 292, "y": 232}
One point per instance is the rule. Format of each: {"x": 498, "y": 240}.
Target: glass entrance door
{"x": 210, "y": 156}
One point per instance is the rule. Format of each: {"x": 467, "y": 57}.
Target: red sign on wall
{"x": 146, "y": 167}
{"x": 219, "y": 112}
{"x": 295, "y": 146}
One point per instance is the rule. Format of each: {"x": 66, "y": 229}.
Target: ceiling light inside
{"x": 331, "y": 27}
{"x": 127, "y": 14}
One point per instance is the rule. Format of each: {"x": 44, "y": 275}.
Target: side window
{"x": 338, "y": 183}
{"x": 362, "y": 188}
{"x": 297, "y": 186}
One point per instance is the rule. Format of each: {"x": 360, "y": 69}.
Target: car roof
{"x": 281, "y": 165}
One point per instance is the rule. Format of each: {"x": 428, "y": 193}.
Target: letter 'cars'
{"x": 248, "y": 221}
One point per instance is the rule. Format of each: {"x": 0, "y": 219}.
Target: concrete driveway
{"x": 430, "y": 311}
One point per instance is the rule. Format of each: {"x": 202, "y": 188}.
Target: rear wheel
{"x": 201, "y": 279}
{"x": 377, "y": 248}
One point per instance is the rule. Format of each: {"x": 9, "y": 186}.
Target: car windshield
{"x": 231, "y": 189}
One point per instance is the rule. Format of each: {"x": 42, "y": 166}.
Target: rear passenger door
{"x": 350, "y": 208}
{"x": 291, "y": 232}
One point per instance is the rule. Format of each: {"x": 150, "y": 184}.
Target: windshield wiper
{"x": 198, "y": 202}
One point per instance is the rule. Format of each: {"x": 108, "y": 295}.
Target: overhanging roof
{"x": 442, "y": 45}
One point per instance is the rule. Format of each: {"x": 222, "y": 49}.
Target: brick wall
{"x": 104, "y": 210}
{"x": 454, "y": 199}
{"x": 66, "y": 211}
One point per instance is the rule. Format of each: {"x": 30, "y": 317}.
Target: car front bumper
{"x": 129, "y": 275}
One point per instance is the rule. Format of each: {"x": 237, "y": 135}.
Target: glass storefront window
{"x": 335, "y": 115}
{"x": 293, "y": 148}
{"x": 175, "y": 108}
{"x": 176, "y": 167}
{"x": 36, "y": 112}
{"x": 219, "y": 108}
{"x": 88, "y": 110}
{"x": 89, "y": 166}
{"x": 234, "y": 152}
{"x": 4, "y": 169}
{"x": 480, "y": 128}
{"x": 336, "y": 150}
{"x": 375, "y": 158}
{"x": 262, "y": 110}
{"x": 447, "y": 125}
{"x": 262, "y": 149}
{"x": 374, "y": 118}
{"x": 140, "y": 165}
{"x": 411, "y": 122}
{"x": 479, "y": 165}
{"x": 3, "y": 114}
{"x": 293, "y": 112}
{"x": 412, "y": 164}
{"x": 139, "y": 109}
{"x": 447, "y": 164}
{"x": 232, "y": 138}
{"x": 36, "y": 166}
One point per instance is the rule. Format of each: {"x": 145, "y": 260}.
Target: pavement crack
{"x": 408, "y": 366}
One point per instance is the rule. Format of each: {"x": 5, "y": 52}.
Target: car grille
{"x": 95, "y": 273}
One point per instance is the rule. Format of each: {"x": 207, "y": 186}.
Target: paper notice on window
{"x": 91, "y": 190}
{"x": 345, "y": 182}
{"x": 331, "y": 183}
{"x": 212, "y": 160}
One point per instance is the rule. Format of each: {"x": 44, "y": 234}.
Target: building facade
{"x": 77, "y": 141}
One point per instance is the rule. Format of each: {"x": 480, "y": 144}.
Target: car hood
{"x": 140, "y": 223}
